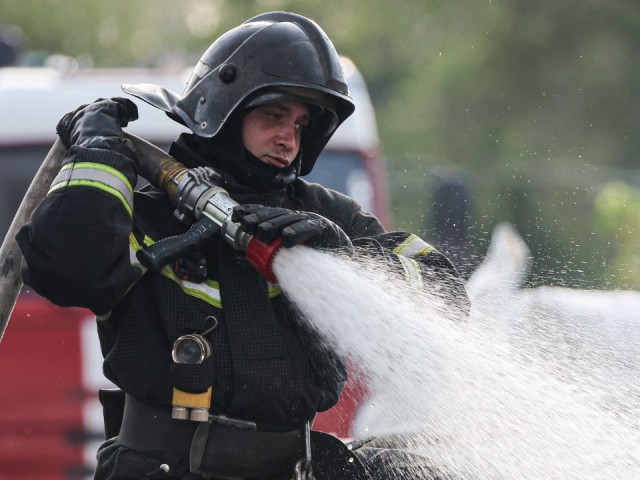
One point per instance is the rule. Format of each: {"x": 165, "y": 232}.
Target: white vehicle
{"x": 34, "y": 99}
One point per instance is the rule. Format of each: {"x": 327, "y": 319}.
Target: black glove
{"x": 269, "y": 223}
{"x": 98, "y": 124}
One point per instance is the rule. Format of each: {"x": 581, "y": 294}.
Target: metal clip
{"x": 303, "y": 469}
{"x": 204, "y": 175}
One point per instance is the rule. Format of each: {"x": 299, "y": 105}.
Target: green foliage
{"x": 534, "y": 104}
{"x": 617, "y": 205}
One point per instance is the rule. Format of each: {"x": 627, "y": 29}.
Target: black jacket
{"x": 267, "y": 365}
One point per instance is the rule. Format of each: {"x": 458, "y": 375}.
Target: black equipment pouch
{"x": 112, "y": 401}
{"x": 223, "y": 450}
{"x": 230, "y": 451}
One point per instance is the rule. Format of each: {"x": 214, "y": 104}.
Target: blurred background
{"x": 488, "y": 110}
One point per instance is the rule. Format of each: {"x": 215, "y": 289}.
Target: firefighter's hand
{"x": 98, "y": 124}
{"x": 295, "y": 228}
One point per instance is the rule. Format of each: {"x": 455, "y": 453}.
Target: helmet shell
{"x": 267, "y": 52}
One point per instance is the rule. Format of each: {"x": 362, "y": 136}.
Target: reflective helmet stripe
{"x": 414, "y": 247}
{"x": 207, "y": 291}
{"x": 96, "y": 175}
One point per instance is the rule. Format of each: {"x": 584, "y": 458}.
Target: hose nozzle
{"x": 260, "y": 255}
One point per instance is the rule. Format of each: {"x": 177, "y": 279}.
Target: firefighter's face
{"x": 272, "y": 132}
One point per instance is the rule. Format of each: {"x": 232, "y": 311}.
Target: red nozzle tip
{"x": 260, "y": 256}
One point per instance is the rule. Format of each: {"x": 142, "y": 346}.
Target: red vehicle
{"x": 50, "y": 416}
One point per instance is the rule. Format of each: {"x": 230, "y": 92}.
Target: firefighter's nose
{"x": 288, "y": 136}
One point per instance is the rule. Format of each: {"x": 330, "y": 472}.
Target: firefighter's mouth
{"x": 277, "y": 161}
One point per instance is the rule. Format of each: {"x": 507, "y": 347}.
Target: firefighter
{"x": 220, "y": 377}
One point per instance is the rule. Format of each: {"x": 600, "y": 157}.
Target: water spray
{"x": 474, "y": 402}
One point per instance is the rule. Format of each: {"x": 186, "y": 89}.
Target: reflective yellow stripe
{"x": 96, "y": 175}
{"x": 274, "y": 289}
{"x": 68, "y": 170}
{"x": 413, "y": 247}
{"x": 97, "y": 185}
{"x": 207, "y": 291}
{"x": 412, "y": 272}
{"x": 134, "y": 246}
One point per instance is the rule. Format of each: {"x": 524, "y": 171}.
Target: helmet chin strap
{"x": 287, "y": 175}
{"x": 255, "y": 172}
{"x": 282, "y": 179}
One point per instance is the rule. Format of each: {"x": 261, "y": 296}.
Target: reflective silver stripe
{"x": 411, "y": 268}
{"x": 208, "y": 291}
{"x": 201, "y": 69}
{"x": 96, "y": 175}
{"x": 413, "y": 247}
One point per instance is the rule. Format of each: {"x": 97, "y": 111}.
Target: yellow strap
{"x": 192, "y": 400}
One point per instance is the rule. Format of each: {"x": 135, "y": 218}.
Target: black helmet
{"x": 273, "y": 57}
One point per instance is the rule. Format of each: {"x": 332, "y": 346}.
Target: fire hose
{"x": 193, "y": 192}
{"x": 10, "y": 255}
